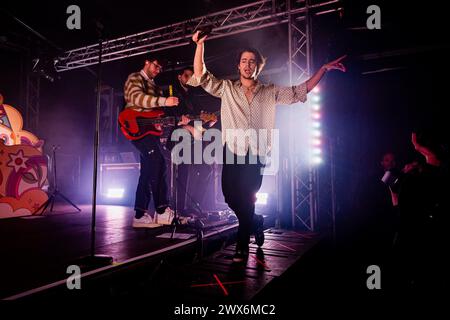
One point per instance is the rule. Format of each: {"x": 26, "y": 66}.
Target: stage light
{"x": 316, "y": 133}
{"x": 261, "y": 198}
{"x": 316, "y": 160}
{"x": 315, "y": 149}
{"x": 118, "y": 182}
{"x": 115, "y": 193}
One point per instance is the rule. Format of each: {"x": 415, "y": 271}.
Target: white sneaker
{"x": 165, "y": 218}
{"x": 185, "y": 220}
{"x": 144, "y": 222}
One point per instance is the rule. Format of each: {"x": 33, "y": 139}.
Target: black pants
{"x": 182, "y": 178}
{"x": 240, "y": 183}
{"x": 153, "y": 176}
{"x": 182, "y": 181}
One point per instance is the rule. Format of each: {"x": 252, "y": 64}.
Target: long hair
{"x": 260, "y": 60}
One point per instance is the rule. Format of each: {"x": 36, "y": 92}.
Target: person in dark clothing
{"x": 188, "y": 106}
{"x": 423, "y": 246}
{"x": 376, "y": 220}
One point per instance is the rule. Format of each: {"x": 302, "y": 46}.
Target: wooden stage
{"x": 36, "y": 252}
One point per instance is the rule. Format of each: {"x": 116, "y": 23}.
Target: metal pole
{"x": 96, "y": 145}
{"x": 291, "y": 117}
{"x": 279, "y": 193}
{"x": 95, "y": 260}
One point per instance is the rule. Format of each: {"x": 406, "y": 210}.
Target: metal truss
{"x": 32, "y": 101}
{"x": 322, "y": 201}
{"x": 302, "y": 196}
{"x": 304, "y": 177}
{"x": 299, "y": 65}
{"x": 253, "y": 16}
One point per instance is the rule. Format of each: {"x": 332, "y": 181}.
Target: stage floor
{"x": 36, "y": 252}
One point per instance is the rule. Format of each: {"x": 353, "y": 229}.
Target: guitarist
{"x": 188, "y": 105}
{"x": 142, "y": 94}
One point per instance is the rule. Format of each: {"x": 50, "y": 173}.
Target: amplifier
{"x": 118, "y": 182}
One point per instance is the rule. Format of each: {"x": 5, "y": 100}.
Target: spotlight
{"x": 316, "y": 160}
{"x": 316, "y": 115}
{"x": 316, "y": 125}
{"x": 115, "y": 193}
{"x": 316, "y": 107}
{"x": 316, "y": 90}
{"x": 45, "y": 67}
{"x": 316, "y": 133}
{"x": 261, "y": 198}
{"x": 316, "y": 98}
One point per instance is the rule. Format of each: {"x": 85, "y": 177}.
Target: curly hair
{"x": 260, "y": 60}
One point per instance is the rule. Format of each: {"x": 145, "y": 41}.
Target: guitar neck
{"x": 162, "y": 121}
{"x": 198, "y": 118}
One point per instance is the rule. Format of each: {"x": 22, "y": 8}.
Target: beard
{"x": 252, "y": 76}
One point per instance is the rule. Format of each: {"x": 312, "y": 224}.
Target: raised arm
{"x": 199, "y": 61}
{"x": 429, "y": 155}
{"x": 203, "y": 77}
{"x": 294, "y": 94}
{"x": 314, "y": 80}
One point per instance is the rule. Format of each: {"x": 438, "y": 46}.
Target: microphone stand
{"x": 55, "y": 191}
{"x": 95, "y": 260}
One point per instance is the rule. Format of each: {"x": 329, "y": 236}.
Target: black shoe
{"x": 240, "y": 256}
{"x": 259, "y": 230}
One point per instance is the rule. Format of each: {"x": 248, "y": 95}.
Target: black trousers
{"x": 182, "y": 181}
{"x": 153, "y": 175}
{"x": 240, "y": 183}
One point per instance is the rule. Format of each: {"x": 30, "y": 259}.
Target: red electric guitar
{"x": 136, "y": 125}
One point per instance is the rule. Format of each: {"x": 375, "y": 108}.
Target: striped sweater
{"x": 142, "y": 93}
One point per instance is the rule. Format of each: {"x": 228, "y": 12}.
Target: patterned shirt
{"x": 142, "y": 93}
{"x": 237, "y": 113}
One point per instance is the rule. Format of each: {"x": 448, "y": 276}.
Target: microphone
{"x": 204, "y": 31}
